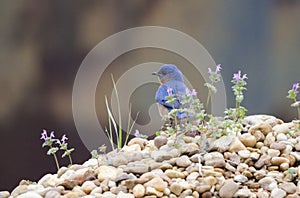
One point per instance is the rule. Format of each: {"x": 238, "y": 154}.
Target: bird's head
{"x": 168, "y": 72}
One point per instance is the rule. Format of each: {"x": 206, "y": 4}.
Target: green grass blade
{"x": 111, "y": 118}
{"x": 119, "y": 115}
{"x": 131, "y": 127}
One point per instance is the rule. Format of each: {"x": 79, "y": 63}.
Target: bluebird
{"x": 172, "y": 83}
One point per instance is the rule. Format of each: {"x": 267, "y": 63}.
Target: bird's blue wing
{"x": 161, "y": 94}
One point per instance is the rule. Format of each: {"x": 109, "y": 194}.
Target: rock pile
{"x": 262, "y": 162}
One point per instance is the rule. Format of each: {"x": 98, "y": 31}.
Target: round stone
{"x": 183, "y": 161}
{"x": 176, "y": 188}
{"x": 248, "y": 140}
{"x": 240, "y": 178}
{"x": 159, "y": 141}
{"x": 138, "y": 191}
{"x": 244, "y": 154}
{"x": 281, "y": 137}
{"x": 278, "y": 193}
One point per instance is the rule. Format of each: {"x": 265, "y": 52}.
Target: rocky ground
{"x": 262, "y": 162}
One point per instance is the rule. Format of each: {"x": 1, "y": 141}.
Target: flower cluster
{"x": 214, "y": 77}
{"x": 237, "y": 114}
{"x": 238, "y": 87}
{"x": 51, "y": 142}
{"x": 293, "y": 96}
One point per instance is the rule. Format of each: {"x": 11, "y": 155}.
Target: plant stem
{"x": 56, "y": 161}
{"x": 298, "y": 109}
{"x": 71, "y": 162}
{"x": 208, "y": 98}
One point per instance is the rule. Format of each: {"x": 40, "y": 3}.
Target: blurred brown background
{"x": 42, "y": 44}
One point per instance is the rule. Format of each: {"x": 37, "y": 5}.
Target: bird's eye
{"x": 164, "y": 72}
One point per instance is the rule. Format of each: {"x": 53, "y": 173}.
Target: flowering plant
{"x": 214, "y": 77}
{"x": 237, "y": 114}
{"x": 293, "y": 95}
{"x": 50, "y": 142}
{"x": 64, "y": 147}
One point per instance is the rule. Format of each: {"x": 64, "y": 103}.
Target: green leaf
{"x": 52, "y": 151}
{"x": 94, "y": 154}
{"x": 45, "y": 144}
{"x": 67, "y": 152}
{"x": 292, "y": 95}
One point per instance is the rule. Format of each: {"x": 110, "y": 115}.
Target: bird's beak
{"x": 155, "y": 73}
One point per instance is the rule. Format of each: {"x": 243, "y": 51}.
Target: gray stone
{"x": 263, "y": 160}
{"x": 289, "y": 188}
{"x": 118, "y": 160}
{"x": 136, "y": 168}
{"x": 52, "y": 194}
{"x": 268, "y": 183}
{"x": 183, "y": 161}
{"x": 134, "y": 156}
{"x": 278, "y": 193}
{"x": 122, "y": 177}
{"x": 240, "y": 178}
{"x": 161, "y": 155}
{"x": 159, "y": 141}
{"x": 228, "y": 189}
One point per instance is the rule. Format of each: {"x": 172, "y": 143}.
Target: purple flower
{"x": 295, "y": 87}
{"x": 58, "y": 142}
{"x": 137, "y": 133}
{"x": 209, "y": 71}
{"x": 44, "y": 135}
{"x": 194, "y": 92}
{"x": 187, "y": 91}
{"x": 170, "y": 91}
{"x": 64, "y": 138}
{"x": 190, "y": 93}
{"x": 218, "y": 68}
{"x": 52, "y": 135}
{"x": 237, "y": 77}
